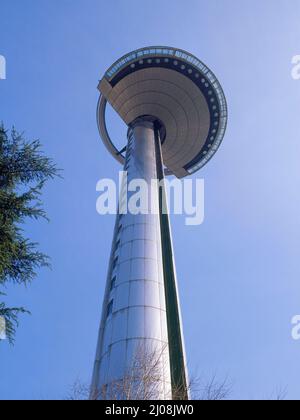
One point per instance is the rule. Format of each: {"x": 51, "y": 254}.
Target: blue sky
{"x": 239, "y": 273}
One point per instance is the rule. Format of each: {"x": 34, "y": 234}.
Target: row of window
{"x": 118, "y": 241}
{"x": 128, "y": 155}
{"x": 137, "y": 54}
{"x": 114, "y": 264}
{"x": 127, "y": 164}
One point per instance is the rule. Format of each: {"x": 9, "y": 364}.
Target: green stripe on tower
{"x": 177, "y": 359}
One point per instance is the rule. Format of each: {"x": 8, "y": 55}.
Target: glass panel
{"x": 110, "y": 308}
{"x": 113, "y": 283}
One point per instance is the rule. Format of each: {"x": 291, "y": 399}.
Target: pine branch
{"x": 24, "y": 170}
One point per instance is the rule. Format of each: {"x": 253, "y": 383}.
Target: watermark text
{"x": 2, "y": 67}
{"x": 296, "y": 67}
{"x": 182, "y": 197}
{"x": 296, "y": 328}
{"x": 2, "y": 328}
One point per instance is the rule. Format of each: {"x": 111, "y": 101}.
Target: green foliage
{"x": 24, "y": 170}
{"x": 11, "y": 319}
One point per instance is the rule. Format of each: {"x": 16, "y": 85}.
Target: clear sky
{"x": 239, "y": 273}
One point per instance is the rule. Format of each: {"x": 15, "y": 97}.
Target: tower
{"x": 176, "y": 114}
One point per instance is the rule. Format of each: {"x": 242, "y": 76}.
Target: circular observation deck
{"x": 175, "y": 88}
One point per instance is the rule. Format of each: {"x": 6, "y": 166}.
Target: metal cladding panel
{"x": 137, "y": 293}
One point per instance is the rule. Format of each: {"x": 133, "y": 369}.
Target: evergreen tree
{"x": 24, "y": 170}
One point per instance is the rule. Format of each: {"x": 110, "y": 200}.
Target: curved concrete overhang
{"x": 176, "y": 88}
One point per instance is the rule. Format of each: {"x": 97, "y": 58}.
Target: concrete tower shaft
{"x": 135, "y": 316}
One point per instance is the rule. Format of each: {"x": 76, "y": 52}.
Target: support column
{"x": 140, "y": 334}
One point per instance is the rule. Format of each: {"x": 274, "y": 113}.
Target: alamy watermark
{"x": 2, "y": 328}
{"x": 296, "y": 67}
{"x": 296, "y": 327}
{"x": 2, "y": 67}
{"x": 295, "y": 322}
{"x": 183, "y": 197}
